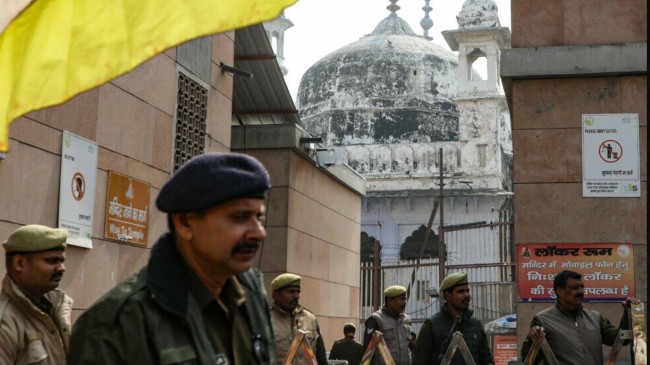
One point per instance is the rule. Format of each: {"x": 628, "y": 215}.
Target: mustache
{"x": 57, "y": 276}
{"x": 245, "y": 246}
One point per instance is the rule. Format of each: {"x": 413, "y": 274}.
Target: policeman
{"x": 454, "y": 315}
{"x": 34, "y": 314}
{"x": 347, "y": 348}
{"x": 198, "y": 300}
{"x": 289, "y": 316}
{"x": 394, "y": 324}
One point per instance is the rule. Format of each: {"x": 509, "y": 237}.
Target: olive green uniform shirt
{"x": 347, "y": 349}
{"x": 225, "y": 320}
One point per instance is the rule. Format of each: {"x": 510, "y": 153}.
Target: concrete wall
{"x": 313, "y": 225}
{"x": 131, "y": 118}
{"x": 547, "y": 132}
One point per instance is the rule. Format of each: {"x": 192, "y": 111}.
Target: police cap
{"x": 285, "y": 281}
{"x": 35, "y": 238}
{"x": 452, "y": 280}
{"x": 394, "y": 291}
{"x": 211, "y": 179}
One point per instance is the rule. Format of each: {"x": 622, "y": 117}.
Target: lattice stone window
{"x": 190, "y": 120}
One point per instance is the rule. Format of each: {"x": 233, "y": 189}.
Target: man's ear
{"x": 182, "y": 226}
{"x": 19, "y": 262}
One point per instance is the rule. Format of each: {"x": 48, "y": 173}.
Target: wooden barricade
{"x": 300, "y": 343}
{"x": 639, "y": 331}
{"x": 457, "y": 343}
{"x": 542, "y": 344}
{"x": 377, "y": 343}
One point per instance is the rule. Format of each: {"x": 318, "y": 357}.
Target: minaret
{"x": 426, "y": 23}
{"x": 484, "y": 124}
{"x": 275, "y": 32}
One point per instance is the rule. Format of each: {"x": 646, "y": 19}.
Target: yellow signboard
{"x": 127, "y": 209}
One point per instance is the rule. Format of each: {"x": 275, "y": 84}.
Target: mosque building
{"x": 392, "y": 105}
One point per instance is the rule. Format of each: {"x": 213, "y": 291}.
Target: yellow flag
{"x": 56, "y": 49}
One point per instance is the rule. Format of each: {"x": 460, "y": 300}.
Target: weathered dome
{"x": 390, "y": 86}
{"x": 478, "y": 14}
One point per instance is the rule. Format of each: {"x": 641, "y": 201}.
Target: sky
{"x": 323, "y": 26}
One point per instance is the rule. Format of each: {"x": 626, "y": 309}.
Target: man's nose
{"x": 61, "y": 267}
{"x": 258, "y": 231}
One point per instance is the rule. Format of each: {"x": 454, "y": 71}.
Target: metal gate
{"x": 483, "y": 250}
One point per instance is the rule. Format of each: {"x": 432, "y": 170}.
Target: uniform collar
{"x": 231, "y": 289}
{"x": 167, "y": 277}
{"x": 467, "y": 313}
{"x": 296, "y": 310}
{"x": 390, "y": 313}
{"x": 45, "y": 305}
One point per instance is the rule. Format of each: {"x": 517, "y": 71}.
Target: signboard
{"x": 607, "y": 269}
{"x": 504, "y": 349}
{"x": 77, "y": 188}
{"x": 127, "y": 209}
{"x": 610, "y": 155}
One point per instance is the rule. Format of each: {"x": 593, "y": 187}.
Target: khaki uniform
{"x": 286, "y": 326}
{"x": 27, "y": 334}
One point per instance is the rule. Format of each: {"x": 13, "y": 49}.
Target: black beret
{"x": 211, "y": 179}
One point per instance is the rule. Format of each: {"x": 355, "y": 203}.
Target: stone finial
{"x": 393, "y": 7}
{"x": 478, "y": 14}
{"x": 426, "y": 23}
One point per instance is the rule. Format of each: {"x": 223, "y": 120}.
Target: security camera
{"x": 326, "y": 157}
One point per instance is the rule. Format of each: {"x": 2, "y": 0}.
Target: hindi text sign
{"x": 127, "y": 209}
{"x": 607, "y": 269}
{"x": 504, "y": 349}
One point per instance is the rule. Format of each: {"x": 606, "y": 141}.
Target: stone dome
{"x": 478, "y": 14}
{"x": 391, "y": 86}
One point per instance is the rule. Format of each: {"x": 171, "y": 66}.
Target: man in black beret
{"x": 34, "y": 313}
{"x": 198, "y": 300}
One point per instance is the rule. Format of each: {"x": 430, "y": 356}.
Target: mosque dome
{"x": 391, "y": 86}
{"x": 478, "y": 14}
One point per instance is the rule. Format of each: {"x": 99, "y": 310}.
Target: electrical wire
{"x": 423, "y": 309}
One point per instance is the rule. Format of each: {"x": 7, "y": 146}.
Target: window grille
{"x": 191, "y": 112}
